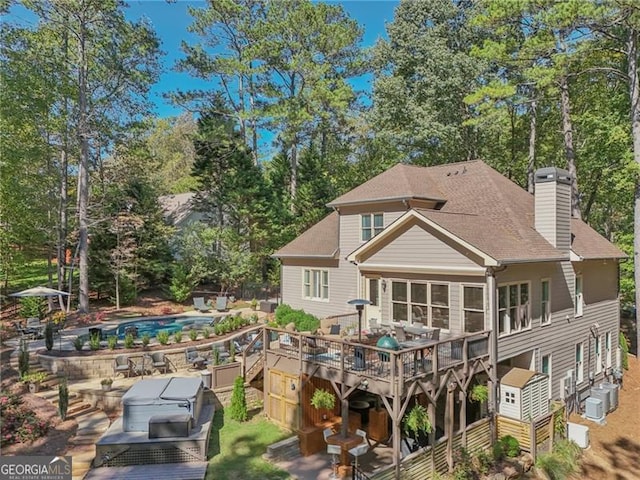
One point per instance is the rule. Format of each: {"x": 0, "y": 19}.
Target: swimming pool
{"x": 151, "y": 326}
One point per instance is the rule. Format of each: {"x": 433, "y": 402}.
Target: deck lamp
{"x": 359, "y": 303}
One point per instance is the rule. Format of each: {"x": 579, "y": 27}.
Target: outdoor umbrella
{"x": 41, "y": 292}
{"x": 38, "y": 292}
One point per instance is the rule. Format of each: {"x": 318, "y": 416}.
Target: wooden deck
{"x": 165, "y": 471}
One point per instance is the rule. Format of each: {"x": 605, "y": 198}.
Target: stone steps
{"x": 284, "y": 450}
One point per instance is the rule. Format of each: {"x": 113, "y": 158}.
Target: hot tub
{"x": 165, "y": 396}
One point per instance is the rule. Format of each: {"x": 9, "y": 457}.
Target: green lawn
{"x": 236, "y": 449}
{"x": 33, "y": 274}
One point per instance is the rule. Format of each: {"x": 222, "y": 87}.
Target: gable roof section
{"x": 321, "y": 240}
{"x": 517, "y": 377}
{"x": 481, "y": 209}
{"x": 176, "y": 208}
{"x": 400, "y": 182}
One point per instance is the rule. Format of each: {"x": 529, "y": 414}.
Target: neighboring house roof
{"x": 517, "y": 377}
{"x": 479, "y": 207}
{"x": 321, "y": 240}
{"x": 177, "y": 208}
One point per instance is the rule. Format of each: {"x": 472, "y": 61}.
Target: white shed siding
{"x": 511, "y": 410}
{"x": 416, "y": 246}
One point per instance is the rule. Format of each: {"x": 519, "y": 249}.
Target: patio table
{"x": 417, "y": 331}
{"x": 346, "y": 443}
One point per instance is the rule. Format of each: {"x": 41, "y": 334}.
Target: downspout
{"x": 493, "y": 349}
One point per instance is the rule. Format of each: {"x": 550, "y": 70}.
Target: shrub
{"x": 507, "y": 446}
{"x": 562, "y": 462}
{"x": 78, "y": 343}
{"x": 48, "y": 336}
{"x": 181, "y": 284}
{"x": 624, "y": 348}
{"x": 128, "y": 341}
{"x": 483, "y": 460}
{"x": 216, "y": 356}
{"x": 163, "y": 337}
{"x": 23, "y": 358}
{"x": 177, "y": 337}
{"x": 19, "y": 424}
{"x": 206, "y": 332}
{"x": 94, "y": 341}
{"x": 146, "y": 339}
{"x": 254, "y": 304}
{"x": 193, "y": 334}
{"x": 166, "y": 310}
{"x": 253, "y": 319}
{"x": 34, "y": 377}
{"x": 63, "y": 398}
{"x": 238, "y": 408}
{"x": 112, "y": 342}
{"x": 303, "y": 321}
{"x": 32, "y": 307}
{"x": 463, "y": 468}
{"x": 323, "y": 398}
{"x": 100, "y": 316}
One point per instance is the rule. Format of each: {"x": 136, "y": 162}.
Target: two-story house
{"x": 462, "y": 248}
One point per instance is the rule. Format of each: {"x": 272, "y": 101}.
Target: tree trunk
{"x": 531, "y": 159}
{"x": 634, "y": 97}
{"x": 83, "y": 175}
{"x": 293, "y": 183}
{"x": 567, "y": 131}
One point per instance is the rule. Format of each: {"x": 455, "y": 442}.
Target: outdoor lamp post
{"x": 359, "y": 303}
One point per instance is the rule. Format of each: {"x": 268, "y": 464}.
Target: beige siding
{"x": 342, "y": 286}
{"x": 560, "y": 337}
{"x": 552, "y": 213}
{"x": 350, "y": 228}
{"x": 416, "y": 246}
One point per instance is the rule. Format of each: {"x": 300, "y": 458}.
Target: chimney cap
{"x": 552, "y": 174}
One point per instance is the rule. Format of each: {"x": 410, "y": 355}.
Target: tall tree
{"x": 423, "y": 73}
{"x": 112, "y": 63}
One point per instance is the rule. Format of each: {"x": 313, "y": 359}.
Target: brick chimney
{"x": 553, "y": 207}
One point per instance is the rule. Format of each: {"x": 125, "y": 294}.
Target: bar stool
{"x": 334, "y": 451}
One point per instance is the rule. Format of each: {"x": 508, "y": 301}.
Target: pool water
{"x": 151, "y": 326}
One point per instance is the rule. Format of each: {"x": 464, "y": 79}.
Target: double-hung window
{"x": 579, "y": 363}
{"x": 513, "y": 308}
{"x": 579, "y": 300}
{"x": 545, "y": 302}
{"x": 371, "y": 225}
{"x": 316, "y": 284}
{"x": 473, "y": 308}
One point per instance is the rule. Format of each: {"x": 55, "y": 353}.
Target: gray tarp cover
{"x": 162, "y": 390}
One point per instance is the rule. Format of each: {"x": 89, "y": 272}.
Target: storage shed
{"x": 166, "y": 396}
{"x": 524, "y": 394}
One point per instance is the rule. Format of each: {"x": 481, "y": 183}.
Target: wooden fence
{"x": 427, "y": 461}
{"x": 531, "y": 434}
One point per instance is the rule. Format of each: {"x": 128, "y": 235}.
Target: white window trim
{"x": 550, "y": 371}
{"x": 428, "y": 306}
{"x": 579, "y": 297}
{"x": 373, "y": 227}
{"x": 607, "y": 343}
{"x": 462, "y": 306}
{"x": 542, "y": 312}
{"x": 579, "y": 365}
{"x": 508, "y": 330}
{"x": 313, "y": 286}
{"x": 598, "y": 353}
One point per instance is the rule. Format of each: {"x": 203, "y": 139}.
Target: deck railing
{"x": 382, "y": 364}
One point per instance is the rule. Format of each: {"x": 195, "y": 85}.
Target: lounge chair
{"x": 194, "y": 358}
{"x": 200, "y": 305}
{"x": 26, "y": 333}
{"x": 221, "y": 304}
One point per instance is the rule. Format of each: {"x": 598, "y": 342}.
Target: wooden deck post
{"x": 448, "y": 422}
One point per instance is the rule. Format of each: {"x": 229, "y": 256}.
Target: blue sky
{"x": 171, "y": 20}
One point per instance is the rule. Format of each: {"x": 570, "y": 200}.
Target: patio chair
{"x": 334, "y": 451}
{"x": 200, "y": 305}
{"x": 326, "y": 433}
{"x": 434, "y": 334}
{"x": 373, "y": 325}
{"x": 362, "y": 447}
{"x": 160, "y": 362}
{"x": 26, "y": 333}
{"x": 221, "y": 304}
{"x": 194, "y": 358}
{"x": 122, "y": 364}
{"x": 400, "y": 334}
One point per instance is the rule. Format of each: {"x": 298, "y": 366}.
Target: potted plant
{"x": 106, "y": 384}
{"x": 417, "y": 424}
{"x": 323, "y": 399}
{"x": 479, "y": 393}
{"x": 34, "y": 379}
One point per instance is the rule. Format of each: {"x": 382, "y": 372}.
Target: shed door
{"x": 283, "y": 401}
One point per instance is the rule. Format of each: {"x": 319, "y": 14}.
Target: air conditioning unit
{"x": 579, "y": 434}
{"x": 613, "y": 395}
{"x": 602, "y": 393}
{"x": 593, "y": 409}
